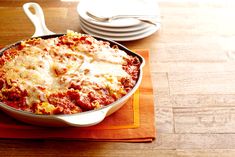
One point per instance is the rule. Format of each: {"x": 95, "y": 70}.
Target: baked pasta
{"x": 64, "y": 75}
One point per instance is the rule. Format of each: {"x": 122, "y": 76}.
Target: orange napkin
{"x": 134, "y": 122}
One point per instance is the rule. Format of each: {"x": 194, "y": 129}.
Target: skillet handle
{"x": 37, "y": 19}
{"x": 85, "y": 119}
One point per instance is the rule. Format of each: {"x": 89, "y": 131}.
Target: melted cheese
{"x": 111, "y": 55}
{"x": 53, "y": 68}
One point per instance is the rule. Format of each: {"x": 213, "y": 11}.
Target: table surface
{"x": 193, "y": 73}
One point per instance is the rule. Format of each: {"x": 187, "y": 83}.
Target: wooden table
{"x": 193, "y": 73}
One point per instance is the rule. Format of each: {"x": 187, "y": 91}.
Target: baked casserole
{"x": 64, "y": 75}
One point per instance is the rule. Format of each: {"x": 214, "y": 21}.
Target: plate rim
{"x": 116, "y": 29}
{"x": 117, "y": 34}
{"x": 130, "y": 38}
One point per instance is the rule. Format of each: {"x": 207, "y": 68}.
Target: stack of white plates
{"x": 122, "y": 29}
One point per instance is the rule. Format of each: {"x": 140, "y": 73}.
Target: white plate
{"x": 126, "y": 38}
{"x": 116, "y": 34}
{"x": 116, "y": 29}
{"x": 117, "y": 7}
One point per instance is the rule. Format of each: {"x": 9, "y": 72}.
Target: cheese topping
{"x": 75, "y": 63}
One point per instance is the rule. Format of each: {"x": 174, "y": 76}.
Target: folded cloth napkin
{"x": 134, "y": 122}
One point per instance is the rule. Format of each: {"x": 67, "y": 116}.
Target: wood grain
{"x": 161, "y": 90}
{"x": 193, "y": 141}
{"x": 202, "y": 100}
{"x": 164, "y": 120}
{"x": 202, "y": 83}
{"x": 205, "y": 120}
{"x": 206, "y": 153}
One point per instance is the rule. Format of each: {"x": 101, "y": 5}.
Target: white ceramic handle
{"x": 85, "y": 119}
{"x": 37, "y": 19}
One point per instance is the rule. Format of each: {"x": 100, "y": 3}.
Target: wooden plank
{"x": 202, "y": 83}
{"x": 202, "y": 100}
{"x": 91, "y": 151}
{"x": 191, "y": 67}
{"x": 195, "y": 4}
{"x": 15, "y": 29}
{"x": 56, "y": 20}
{"x": 88, "y": 152}
{"x": 50, "y": 3}
{"x": 205, "y": 152}
{"x": 193, "y": 141}
{"x": 194, "y": 52}
{"x": 191, "y": 22}
{"x": 164, "y": 120}
{"x": 161, "y": 90}
{"x": 18, "y": 12}
{"x": 204, "y": 120}
{"x": 206, "y": 141}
